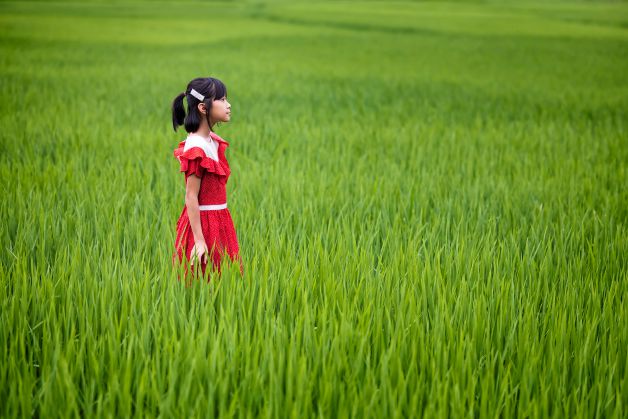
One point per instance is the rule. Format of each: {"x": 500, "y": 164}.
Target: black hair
{"x": 209, "y": 87}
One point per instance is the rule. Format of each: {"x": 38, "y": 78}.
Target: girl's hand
{"x": 199, "y": 252}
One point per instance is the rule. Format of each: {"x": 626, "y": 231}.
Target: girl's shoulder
{"x": 198, "y": 154}
{"x": 209, "y": 148}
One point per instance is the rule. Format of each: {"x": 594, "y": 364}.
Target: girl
{"x": 205, "y": 229}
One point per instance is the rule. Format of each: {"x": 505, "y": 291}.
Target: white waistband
{"x": 212, "y": 207}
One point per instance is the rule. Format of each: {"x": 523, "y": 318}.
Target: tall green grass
{"x": 430, "y": 200}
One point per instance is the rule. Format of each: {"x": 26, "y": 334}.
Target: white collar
{"x": 207, "y": 144}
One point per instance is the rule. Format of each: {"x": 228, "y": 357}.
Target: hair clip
{"x": 197, "y": 95}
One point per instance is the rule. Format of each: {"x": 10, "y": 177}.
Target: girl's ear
{"x": 202, "y": 108}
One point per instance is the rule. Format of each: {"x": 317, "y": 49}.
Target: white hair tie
{"x": 197, "y": 95}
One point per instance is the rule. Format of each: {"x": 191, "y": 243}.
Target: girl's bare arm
{"x": 192, "y": 188}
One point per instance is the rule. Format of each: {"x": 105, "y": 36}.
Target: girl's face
{"x": 221, "y": 110}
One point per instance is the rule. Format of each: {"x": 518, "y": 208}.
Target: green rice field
{"x": 431, "y": 202}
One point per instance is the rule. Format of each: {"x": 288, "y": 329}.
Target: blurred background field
{"x": 430, "y": 199}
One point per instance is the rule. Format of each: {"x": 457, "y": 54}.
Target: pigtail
{"x": 178, "y": 111}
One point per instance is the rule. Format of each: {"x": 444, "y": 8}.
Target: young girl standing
{"x": 205, "y": 230}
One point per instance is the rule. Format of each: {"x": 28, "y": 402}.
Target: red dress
{"x": 206, "y": 159}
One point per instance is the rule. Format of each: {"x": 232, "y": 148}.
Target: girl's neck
{"x": 203, "y": 131}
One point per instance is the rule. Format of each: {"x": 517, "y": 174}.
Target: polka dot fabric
{"x": 217, "y": 225}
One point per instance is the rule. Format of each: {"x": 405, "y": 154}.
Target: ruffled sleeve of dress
{"x": 196, "y": 157}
